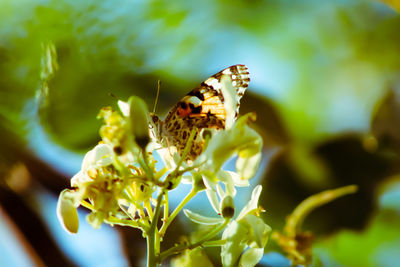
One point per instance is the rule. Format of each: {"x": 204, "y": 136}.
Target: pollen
{"x": 92, "y": 173}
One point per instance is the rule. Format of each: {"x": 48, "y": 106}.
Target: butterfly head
{"x": 155, "y": 126}
{"x": 213, "y": 105}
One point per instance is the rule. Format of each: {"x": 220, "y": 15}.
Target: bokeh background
{"x": 325, "y": 84}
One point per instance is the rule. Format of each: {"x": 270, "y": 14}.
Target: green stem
{"x": 210, "y": 235}
{"x": 182, "y": 247}
{"x": 117, "y": 221}
{"x": 151, "y": 256}
{"x": 127, "y": 213}
{"x": 148, "y": 208}
{"x": 87, "y": 205}
{"x": 146, "y": 166}
{"x": 151, "y": 235}
{"x": 295, "y": 220}
{"x": 166, "y": 207}
{"x": 166, "y": 223}
{"x": 143, "y": 162}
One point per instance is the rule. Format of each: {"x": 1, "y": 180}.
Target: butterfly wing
{"x": 204, "y": 107}
{"x": 207, "y": 99}
{"x": 239, "y": 76}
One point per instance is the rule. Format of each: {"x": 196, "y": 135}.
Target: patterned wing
{"x": 207, "y": 99}
{"x": 240, "y": 78}
{"x": 204, "y": 107}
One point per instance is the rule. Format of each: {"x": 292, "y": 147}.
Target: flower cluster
{"x": 120, "y": 184}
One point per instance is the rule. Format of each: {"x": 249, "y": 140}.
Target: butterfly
{"x": 202, "y": 108}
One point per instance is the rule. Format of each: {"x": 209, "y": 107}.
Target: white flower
{"x": 217, "y": 202}
{"x": 170, "y": 157}
{"x": 249, "y": 232}
{"x": 239, "y": 140}
{"x": 252, "y": 205}
{"x": 245, "y": 237}
{"x": 101, "y": 155}
{"x": 127, "y": 131}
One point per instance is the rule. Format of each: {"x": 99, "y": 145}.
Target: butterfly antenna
{"x": 113, "y": 96}
{"x": 157, "y": 95}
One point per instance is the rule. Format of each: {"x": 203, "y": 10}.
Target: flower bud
{"x": 198, "y": 183}
{"x": 142, "y": 191}
{"x": 227, "y": 207}
{"x": 173, "y": 183}
{"x": 95, "y": 219}
{"x": 206, "y": 133}
{"x": 139, "y": 121}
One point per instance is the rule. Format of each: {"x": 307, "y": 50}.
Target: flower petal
{"x": 187, "y": 179}
{"x": 88, "y": 160}
{"x": 230, "y": 100}
{"x": 247, "y": 167}
{"x": 124, "y": 107}
{"x": 260, "y": 230}
{"x": 103, "y": 155}
{"x": 197, "y": 218}
{"x": 226, "y": 177}
{"x": 240, "y": 139}
{"x": 252, "y": 204}
{"x": 100, "y": 156}
{"x": 80, "y": 178}
{"x": 220, "y": 191}
{"x": 234, "y": 178}
{"x": 166, "y": 157}
{"x": 234, "y": 235}
{"x": 210, "y": 180}
{"x": 66, "y": 211}
{"x": 251, "y": 257}
{"x": 213, "y": 198}
{"x": 230, "y": 189}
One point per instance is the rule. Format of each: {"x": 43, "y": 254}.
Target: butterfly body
{"x": 202, "y": 108}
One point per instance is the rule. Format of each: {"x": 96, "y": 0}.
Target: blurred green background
{"x": 325, "y": 84}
